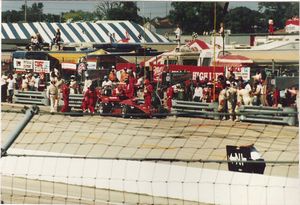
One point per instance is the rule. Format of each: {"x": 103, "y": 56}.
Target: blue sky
{"x": 147, "y": 8}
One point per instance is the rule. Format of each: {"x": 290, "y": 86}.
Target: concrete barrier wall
{"x": 156, "y": 179}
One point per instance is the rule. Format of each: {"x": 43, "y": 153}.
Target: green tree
{"x": 34, "y": 13}
{"x": 279, "y": 12}
{"x": 118, "y": 11}
{"x": 12, "y": 16}
{"x": 79, "y": 15}
{"x": 244, "y": 20}
{"x": 195, "y": 16}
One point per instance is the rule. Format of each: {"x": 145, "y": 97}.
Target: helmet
{"x": 147, "y": 82}
{"x": 105, "y": 77}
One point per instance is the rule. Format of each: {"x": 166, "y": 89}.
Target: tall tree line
{"x": 191, "y": 16}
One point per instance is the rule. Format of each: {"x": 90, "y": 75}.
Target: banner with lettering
{"x": 22, "y": 65}
{"x": 243, "y": 72}
{"x": 41, "y": 66}
{"x": 202, "y": 72}
{"x": 239, "y": 159}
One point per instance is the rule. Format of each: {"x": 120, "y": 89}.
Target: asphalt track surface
{"x": 184, "y": 139}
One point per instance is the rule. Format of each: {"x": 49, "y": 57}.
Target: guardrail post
{"x": 29, "y": 113}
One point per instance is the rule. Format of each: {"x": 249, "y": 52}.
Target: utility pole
{"x": 25, "y": 15}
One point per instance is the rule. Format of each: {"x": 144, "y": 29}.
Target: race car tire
{"x": 100, "y": 108}
{"x": 104, "y": 108}
{"x": 125, "y": 111}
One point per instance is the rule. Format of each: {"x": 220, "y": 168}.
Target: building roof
{"x": 82, "y": 32}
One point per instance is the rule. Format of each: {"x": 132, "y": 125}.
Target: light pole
{"x": 25, "y": 14}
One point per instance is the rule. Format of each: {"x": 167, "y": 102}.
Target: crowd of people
{"x": 230, "y": 92}
{"x": 37, "y": 42}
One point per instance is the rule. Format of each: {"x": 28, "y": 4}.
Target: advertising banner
{"x": 22, "y": 65}
{"x": 244, "y": 72}
{"x": 41, "y": 66}
{"x": 68, "y": 66}
{"x": 91, "y": 65}
{"x": 201, "y": 71}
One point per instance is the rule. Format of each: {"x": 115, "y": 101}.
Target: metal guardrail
{"x": 197, "y": 109}
{"x": 75, "y": 101}
{"x": 31, "y": 97}
{"x": 286, "y": 115}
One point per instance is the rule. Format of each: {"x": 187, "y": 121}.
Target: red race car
{"x": 134, "y": 107}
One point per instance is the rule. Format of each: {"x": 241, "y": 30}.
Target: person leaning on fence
{"x": 52, "y": 94}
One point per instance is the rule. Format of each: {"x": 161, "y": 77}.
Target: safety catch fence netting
{"x": 63, "y": 159}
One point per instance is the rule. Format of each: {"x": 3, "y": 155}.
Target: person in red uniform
{"x": 148, "y": 90}
{"x": 276, "y": 97}
{"x": 129, "y": 89}
{"x": 92, "y": 98}
{"x": 89, "y": 100}
{"x": 65, "y": 89}
{"x": 170, "y": 94}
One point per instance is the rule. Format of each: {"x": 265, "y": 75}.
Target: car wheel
{"x": 100, "y": 108}
{"x": 125, "y": 111}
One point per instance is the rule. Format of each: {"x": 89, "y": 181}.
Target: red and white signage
{"x": 41, "y": 66}
{"x": 243, "y": 72}
{"x": 22, "y": 65}
{"x": 292, "y": 25}
{"x": 69, "y": 66}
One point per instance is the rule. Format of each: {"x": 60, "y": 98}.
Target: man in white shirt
{"x": 10, "y": 87}
{"x": 198, "y": 93}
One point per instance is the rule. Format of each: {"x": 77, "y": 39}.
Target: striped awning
{"x": 83, "y": 32}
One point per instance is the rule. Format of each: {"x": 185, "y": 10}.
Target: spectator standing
{"x": 37, "y": 82}
{"x": 42, "y": 82}
{"x": 3, "y": 88}
{"x": 231, "y": 94}
{"x": 73, "y": 85}
{"x": 31, "y": 82}
{"x": 52, "y": 94}
{"x": 222, "y": 108}
{"x": 198, "y": 93}
{"x": 256, "y": 92}
{"x": 24, "y": 86}
{"x": 10, "y": 87}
